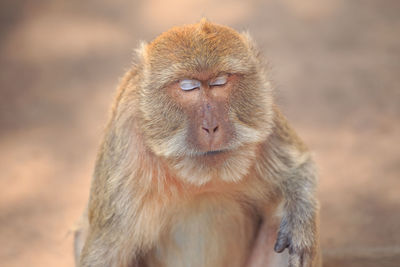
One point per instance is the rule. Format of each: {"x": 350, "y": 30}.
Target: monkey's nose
{"x": 211, "y": 136}
{"x": 210, "y": 130}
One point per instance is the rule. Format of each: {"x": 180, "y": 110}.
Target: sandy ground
{"x": 335, "y": 64}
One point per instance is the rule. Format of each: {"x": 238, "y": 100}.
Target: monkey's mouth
{"x": 214, "y": 152}
{"x": 213, "y": 155}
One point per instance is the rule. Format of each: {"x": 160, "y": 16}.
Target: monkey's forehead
{"x": 203, "y": 45}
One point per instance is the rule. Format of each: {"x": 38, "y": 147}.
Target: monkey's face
{"x": 203, "y": 95}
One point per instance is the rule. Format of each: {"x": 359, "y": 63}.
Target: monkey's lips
{"x": 214, "y": 156}
{"x": 214, "y": 152}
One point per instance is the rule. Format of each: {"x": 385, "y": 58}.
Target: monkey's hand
{"x": 300, "y": 239}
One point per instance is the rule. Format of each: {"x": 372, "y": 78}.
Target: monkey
{"x": 198, "y": 166}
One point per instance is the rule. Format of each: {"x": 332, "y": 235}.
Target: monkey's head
{"x": 204, "y": 98}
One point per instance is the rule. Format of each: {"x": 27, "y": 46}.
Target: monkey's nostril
{"x": 205, "y": 129}
{"x": 210, "y": 130}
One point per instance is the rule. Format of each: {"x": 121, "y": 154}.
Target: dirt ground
{"x": 335, "y": 65}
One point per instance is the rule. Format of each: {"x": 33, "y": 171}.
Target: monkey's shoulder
{"x": 285, "y": 135}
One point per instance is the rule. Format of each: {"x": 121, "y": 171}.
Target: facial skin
{"x": 209, "y": 128}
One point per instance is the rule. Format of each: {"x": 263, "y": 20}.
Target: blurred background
{"x": 335, "y": 65}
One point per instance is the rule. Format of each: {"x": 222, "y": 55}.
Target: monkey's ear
{"x": 252, "y": 45}
{"x": 140, "y": 53}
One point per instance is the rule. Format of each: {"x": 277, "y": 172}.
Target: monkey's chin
{"x": 228, "y": 165}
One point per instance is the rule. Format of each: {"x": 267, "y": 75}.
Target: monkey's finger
{"x": 295, "y": 260}
{"x": 281, "y": 243}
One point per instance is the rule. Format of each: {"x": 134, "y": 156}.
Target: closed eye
{"x": 220, "y": 80}
{"x": 188, "y": 84}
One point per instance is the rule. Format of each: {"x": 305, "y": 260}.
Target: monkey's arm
{"x": 113, "y": 209}
{"x": 293, "y": 171}
{"x": 298, "y": 228}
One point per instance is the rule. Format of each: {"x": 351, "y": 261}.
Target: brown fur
{"x": 160, "y": 198}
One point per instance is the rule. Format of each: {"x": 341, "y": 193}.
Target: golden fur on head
{"x": 207, "y": 49}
